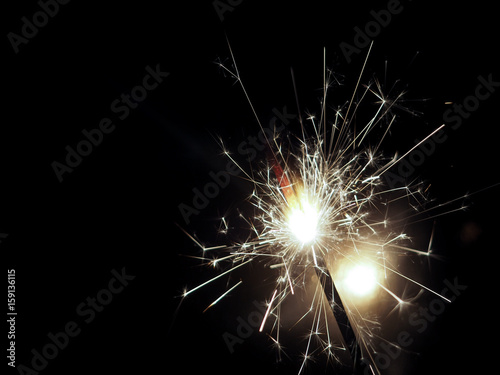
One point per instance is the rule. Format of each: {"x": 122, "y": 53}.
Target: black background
{"x": 119, "y": 207}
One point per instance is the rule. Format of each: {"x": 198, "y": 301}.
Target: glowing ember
{"x": 303, "y": 222}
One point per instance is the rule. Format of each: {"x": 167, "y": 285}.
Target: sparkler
{"x": 324, "y": 223}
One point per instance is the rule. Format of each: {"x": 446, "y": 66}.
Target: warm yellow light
{"x": 303, "y": 222}
{"x": 361, "y": 280}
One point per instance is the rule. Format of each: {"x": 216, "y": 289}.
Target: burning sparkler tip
{"x": 323, "y": 211}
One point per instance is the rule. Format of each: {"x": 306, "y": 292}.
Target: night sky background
{"x": 119, "y": 207}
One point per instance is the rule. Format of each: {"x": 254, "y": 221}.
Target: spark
{"x": 187, "y": 292}
{"x": 267, "y": 311}
{"x": 223, "y": 295}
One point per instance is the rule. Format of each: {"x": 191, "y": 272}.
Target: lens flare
{"x": 361, "y": 280}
